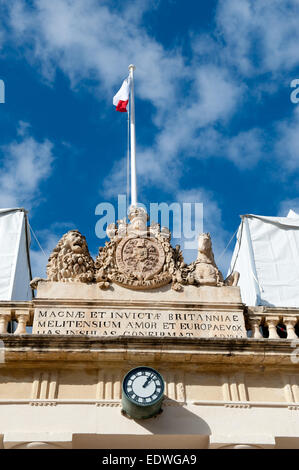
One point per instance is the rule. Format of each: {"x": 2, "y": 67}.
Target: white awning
{"x": 15, "y": 270}
{"x": 267, "y": 257}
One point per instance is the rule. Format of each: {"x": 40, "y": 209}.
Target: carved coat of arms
{"x": 137, "y": 256}
{"x": 142, "y": 258}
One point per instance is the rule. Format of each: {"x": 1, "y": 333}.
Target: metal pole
{"x": 133, "y": 141}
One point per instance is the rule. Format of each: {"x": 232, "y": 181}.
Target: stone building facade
{"x": 231, "y": 371}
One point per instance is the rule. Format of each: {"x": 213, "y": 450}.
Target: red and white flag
{"x": 121, "y": 99}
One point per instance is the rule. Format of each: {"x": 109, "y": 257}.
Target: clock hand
{"x": 148, "y": 380}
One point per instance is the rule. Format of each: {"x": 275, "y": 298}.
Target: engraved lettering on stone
{"x": 127, "y": 322}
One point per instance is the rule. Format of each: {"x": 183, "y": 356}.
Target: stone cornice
{"x": 44, "y": 350}
{"x": 125, "y": 304}
{"x": 265, "y": 310}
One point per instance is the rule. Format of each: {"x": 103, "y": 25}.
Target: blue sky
{"x": 214, "y": 119}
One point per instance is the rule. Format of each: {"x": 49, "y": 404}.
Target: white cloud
{"x": 86, "y": 39}
{"x": 23, "y": 128}
{"x": 116, "y": 182}
{"x": 218, "y": 92}
{"x": 287, "y": 144}
{"x": 287, "y": 205}
{"x": 25, "y": 164}
{"x": 260, "y": 36}
{"x": 214, "y": 98}
{"x": 244, "y": 149}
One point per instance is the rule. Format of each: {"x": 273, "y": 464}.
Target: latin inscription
{"x": 111, "y": 322}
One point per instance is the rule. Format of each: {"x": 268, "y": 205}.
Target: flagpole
{"x": 133, "y": 140}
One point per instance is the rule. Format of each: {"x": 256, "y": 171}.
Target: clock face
{"x": 143, "y": 385}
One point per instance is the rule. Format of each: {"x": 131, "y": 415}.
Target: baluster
{"x": 22, "y": 317}
{"x": 290, "y": 323}
{"x": 255, "y": 323}
{"x": 272, "y": 322}
{"x": 5, "y": 317}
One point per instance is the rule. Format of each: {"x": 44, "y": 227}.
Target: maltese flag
{"x": 121, "y": 99}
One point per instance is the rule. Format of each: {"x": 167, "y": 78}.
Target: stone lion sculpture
{"x": 70, "y": 261}
{"x": 204, "y": 271}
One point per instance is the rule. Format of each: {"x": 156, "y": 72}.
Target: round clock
{"x": 143, "y": 390}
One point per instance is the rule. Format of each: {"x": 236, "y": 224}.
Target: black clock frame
{"x": 140, "y": 410}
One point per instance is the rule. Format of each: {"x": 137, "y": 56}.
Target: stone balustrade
{"x": 18, "y": 314}
{"x": 261, "y": 322}
{"x": 272, "y": 322}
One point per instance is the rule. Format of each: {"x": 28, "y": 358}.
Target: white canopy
{"x": 15, "y": 270}
{"x": 267, "y": 257}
